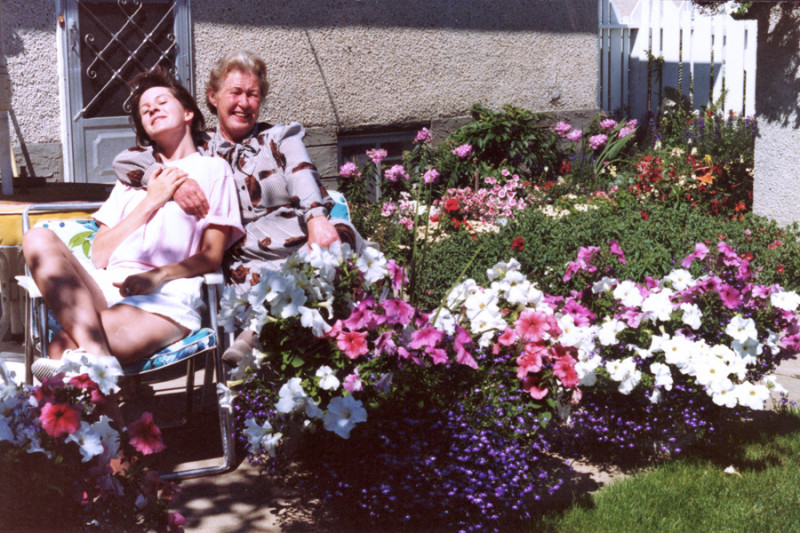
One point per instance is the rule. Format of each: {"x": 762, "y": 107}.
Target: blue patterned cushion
{"x": 197, "y": 342}
{"x": 77, "y": 234}
{"x": 340, "y": 208}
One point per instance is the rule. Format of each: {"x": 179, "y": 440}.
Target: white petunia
{"x": 247, "y": 362}
{"x": 108, "y": 435}
{"x": 312, "y": 319}
{"x": 786, "y": 300}
{"x": 658, "y": 305}
{"x": 225, "y": 397}
{"x": 709, "y": 371}
{"x": 288, "y": 303}
{"x": 681, "y": 279}
{"x": 6, "y": 433}
{"x": 327, "y": 378}
{"x": 607, "y": 335}
{"x": 625, "y": 372}
{"x": 692, "y": 316}
{"x": 479, "y": 302}
{"x": 372, "y": 263}
{"x": 324, "y": 261}
{"x": 662, "y": 375}
{"x": 88, "y": 441}
{"x": 741, "y": 329}
{"x": 459, "y": 294}
{"x": 344, "y": 412}
{"x": 500, "y": 270}
{"x": 752, "y": 396}
{"x": 291, "y": 396}
{"x": 254, "y": 433}
{"x": 725, "y": 396}
{"x": 444, "y": 320}
{"x": 603, "y": 285}
{"x": 628, "y": 294}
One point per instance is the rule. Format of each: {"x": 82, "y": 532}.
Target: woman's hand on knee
{"x": 143, "y": 283}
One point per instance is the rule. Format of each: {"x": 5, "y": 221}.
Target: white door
{"x": 105, "y": 44}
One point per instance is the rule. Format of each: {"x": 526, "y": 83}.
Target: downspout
{"x": 5, "y": 106}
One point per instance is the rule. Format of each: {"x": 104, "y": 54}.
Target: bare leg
{"x": 68, "y": 289}
{"x": 134, "y": 333}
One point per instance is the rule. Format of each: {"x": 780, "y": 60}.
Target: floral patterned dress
{"x": 279, "y": 191}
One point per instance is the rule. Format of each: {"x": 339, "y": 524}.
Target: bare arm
{"x": 137, "y": 166}
{"x": 207, "y": 259}
{"x": 162, "y": 187}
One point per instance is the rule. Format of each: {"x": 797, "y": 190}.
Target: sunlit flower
{"x": 372, "y": 263}
{"x": 87, "y": 440}
{"x": 352, "y": 343}
{"x": 463, "y": 151}
{"x": 741, "y": 328}
{"x": 327, "y": 378}
{"x": 349, "y": 170}
{"x": 628, "y": 294}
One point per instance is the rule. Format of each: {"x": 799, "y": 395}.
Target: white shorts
{"x": 179, "y": 300}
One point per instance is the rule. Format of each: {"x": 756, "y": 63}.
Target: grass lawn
{"x": 695, "y": 494}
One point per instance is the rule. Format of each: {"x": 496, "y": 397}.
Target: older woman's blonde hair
{"x": 243, "y": 61}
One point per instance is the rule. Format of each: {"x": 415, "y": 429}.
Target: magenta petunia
{"x": 145, "y": 435}
{"x": 616, "y": 250}
{"x": 59, "y": 419}
{"x": 428, "y": 337}
{"x": 700, "y": 252}
{"x": 397, "y": 312}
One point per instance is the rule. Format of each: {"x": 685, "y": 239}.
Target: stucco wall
{"x": 29, "y": 41}
{"x": 776, "y": 189}
{"x": 340, "y": 65}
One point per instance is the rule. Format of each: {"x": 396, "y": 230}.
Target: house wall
{"x": 777, "y": 152}
{"x": 342, "y": 66}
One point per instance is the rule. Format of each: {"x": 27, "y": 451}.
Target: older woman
{"x": 283, "y": 203}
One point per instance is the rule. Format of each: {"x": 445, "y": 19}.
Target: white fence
{"x": 647, "y": 46}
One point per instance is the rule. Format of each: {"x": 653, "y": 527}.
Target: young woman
{"x": 144, "y": 294}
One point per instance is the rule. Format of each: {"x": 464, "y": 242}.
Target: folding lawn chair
{"x": 183, "y": 356}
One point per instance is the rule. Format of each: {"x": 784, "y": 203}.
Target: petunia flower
{"x": 352, "y": 343}
{"x": 145, "y": 436}
{"x": 344, "y": 412}
{"x": 327, "y": 378}
{"x": 60, "y": 419}
{"x": 87, "y": 440}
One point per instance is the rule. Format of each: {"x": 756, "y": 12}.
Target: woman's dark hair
{"x": 159, "y": 77}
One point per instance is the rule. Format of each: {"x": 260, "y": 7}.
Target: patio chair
{"x": 183, "y": 356}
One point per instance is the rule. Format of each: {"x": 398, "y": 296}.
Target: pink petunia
{"x": 397, "y": 312}
{"x": 398, "y": 275}
{"x": 580, "y": 314}
{"x": 532, "y": 325}
{"x": 700, "y": 252}
{"x": 461, "y": 343}
{"x": 508, "y": 337}
{"x": 731, "y": 298}
{"x": 352, "y": 383}
{"x": 384, "y": 344}
{"x": 616, "y": 250}
{"x": 428, "y": 337}
{"x": 438, "y": 355}
{"x": 60, "y": 419}
{"x": 531, "y": 360}
{"x": 145, "y": 435}
{"x": 564, "y": 370}
{"x": 175, "y": 522}
{"x": 352, "y": 343}
{"x": 530, "y": 385}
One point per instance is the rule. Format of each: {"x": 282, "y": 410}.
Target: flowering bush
{"x": 350, "y": 357}
{"x": 57, "y": 441}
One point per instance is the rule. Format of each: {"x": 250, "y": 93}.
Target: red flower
{"x": 564, "y": 167}
{"x": 60, "y": 419}
{"x": 145, "y": 435}
{"x": 518, "y": 244}
{"x": 645, "y": 215}
{"x": 780, "y": 268}
{"x": 434, "y": 218}
{"x": 451, "y": 204}
{"x": 82, "y": 382}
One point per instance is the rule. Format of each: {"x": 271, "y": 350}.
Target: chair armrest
{"x": 214, "y": 278}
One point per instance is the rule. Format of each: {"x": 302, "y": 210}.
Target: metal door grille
{"x": 117, "y": 41}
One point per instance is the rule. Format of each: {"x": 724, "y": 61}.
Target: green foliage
{"x": 513, "y": 138}
{"x": 652, "y": 247}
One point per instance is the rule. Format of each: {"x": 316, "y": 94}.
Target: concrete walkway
{"x": 244, "y": 501}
